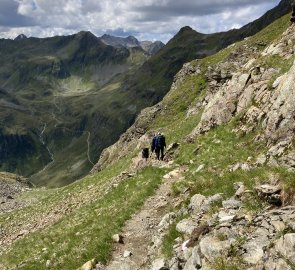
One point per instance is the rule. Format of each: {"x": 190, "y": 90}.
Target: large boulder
{"x": 186, "y": 226}
{"x": 286, "y": 246}
{"x": 212, "y": 248}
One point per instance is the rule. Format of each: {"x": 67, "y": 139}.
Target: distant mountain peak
{"x": 21, "y": 37}
{"x": 131, "y": 42}
{"x": 127, "y": 42}
{"x": 186, "y": 28}
{"x": 86, "y": 33}
{"x": 132, "y": 38}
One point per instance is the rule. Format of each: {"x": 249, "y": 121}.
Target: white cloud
{"x": 146, "y": 19}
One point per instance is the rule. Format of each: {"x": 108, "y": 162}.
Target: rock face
{"x": 279, "y": 122}
{"x": 233, "y": 233}
{"x": 240, "y": 85}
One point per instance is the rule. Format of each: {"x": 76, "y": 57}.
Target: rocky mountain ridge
{"x": 131, "y": 42}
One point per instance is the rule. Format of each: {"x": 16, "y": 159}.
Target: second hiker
{"x": 160, "y": 144}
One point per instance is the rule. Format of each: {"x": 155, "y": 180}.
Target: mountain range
{"x": 72, "y": 96}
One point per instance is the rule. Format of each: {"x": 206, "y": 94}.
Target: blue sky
{"x": 145, "y": 19}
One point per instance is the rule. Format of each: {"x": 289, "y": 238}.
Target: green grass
{"x": 86, "y": 233}
{"x": 217, "y": 156}
{"x": 223, "y": 264}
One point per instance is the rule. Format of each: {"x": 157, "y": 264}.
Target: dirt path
{"x": 140, "y": 229}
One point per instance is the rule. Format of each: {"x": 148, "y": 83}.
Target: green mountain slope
{"x": 69, "y": 226}
{"x": 60, "y": 97}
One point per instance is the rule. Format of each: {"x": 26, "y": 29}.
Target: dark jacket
{"x": 160, "y": 141}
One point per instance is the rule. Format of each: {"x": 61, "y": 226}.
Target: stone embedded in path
{"x": 121, "y": 265}
{"x": 175, "y": 174}
{"x": 167, "y": 221}
{"x": 127, "y": 254}
{"x": 118, "y": 238}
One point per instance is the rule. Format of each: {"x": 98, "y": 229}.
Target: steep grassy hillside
{"x": 71, "y": 225}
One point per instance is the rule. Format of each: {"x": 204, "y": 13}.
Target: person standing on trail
{"x": 153, "y": 143}
{"x": 160, "y": 144}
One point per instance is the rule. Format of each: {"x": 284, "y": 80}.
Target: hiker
{"x": 160, "y": 145}
{"x": 153, "y": 143}
{"x": 145, "y": 153}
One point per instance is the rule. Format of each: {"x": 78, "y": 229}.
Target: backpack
{"x": 160, "y": 142}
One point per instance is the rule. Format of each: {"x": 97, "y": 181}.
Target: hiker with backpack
{"x": 153, "y": 143}
{"x": 160, "y": 144}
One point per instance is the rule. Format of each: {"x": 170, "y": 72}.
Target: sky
{"x": 144, "y": 19}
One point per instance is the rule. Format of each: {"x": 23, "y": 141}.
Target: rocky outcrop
{"x": 279, "y": 122}
{"x": 11, "y": 185}
{"x": 152, "y": 47}
{"x": 265, "y": 240}
{"x": 241, "y": 85}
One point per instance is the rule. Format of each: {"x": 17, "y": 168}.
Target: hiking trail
{"x": 140, "y": 229}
